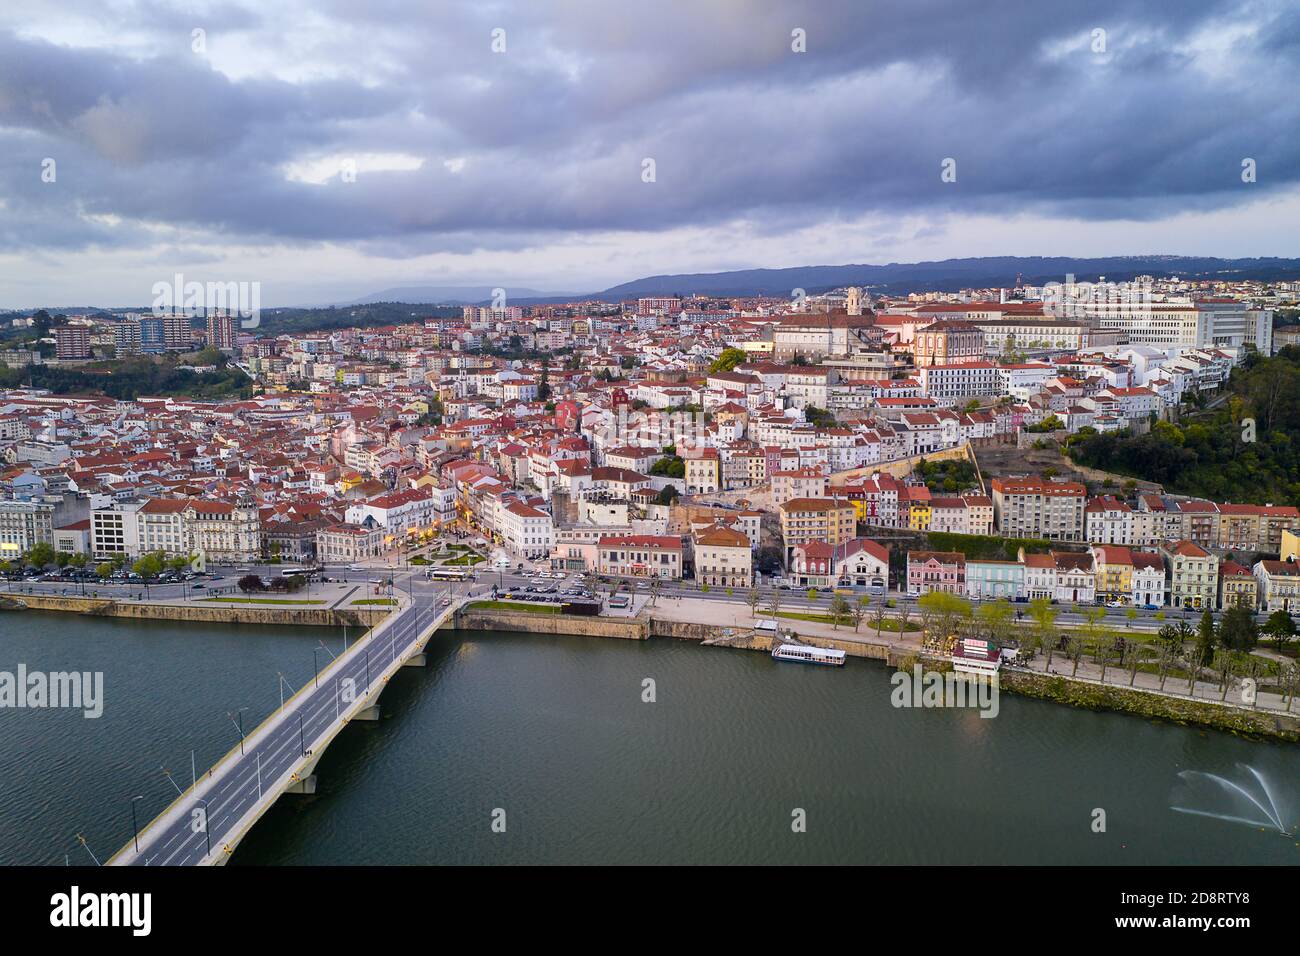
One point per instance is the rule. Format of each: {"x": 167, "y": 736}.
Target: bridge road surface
{"x": 232, "y": 788}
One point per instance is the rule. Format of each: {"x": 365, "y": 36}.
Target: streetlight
{"x": 240, "y": 725}
{"x": 302, "y": 735}
{"x": 135, "y": 826}
{"x": 283, "y": 684}
{"x": 315, "y": 663}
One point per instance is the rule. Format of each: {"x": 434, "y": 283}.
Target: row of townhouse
{"x": 1178, "y": 574}
{"x": 1227, "y": 527}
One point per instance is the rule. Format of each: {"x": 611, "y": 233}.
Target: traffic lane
{"x": 278, "y": 750}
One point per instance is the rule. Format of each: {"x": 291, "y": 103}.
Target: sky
{"x": 333, "y": 148}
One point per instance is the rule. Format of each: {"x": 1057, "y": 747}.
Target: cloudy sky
{"x": 1099, "y": 128}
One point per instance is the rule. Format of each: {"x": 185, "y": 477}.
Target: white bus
{"x": 446, "y": 574}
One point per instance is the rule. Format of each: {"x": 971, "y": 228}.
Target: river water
{"x": 739, "y": 759}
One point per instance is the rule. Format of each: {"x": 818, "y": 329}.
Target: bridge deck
{"x": 241, "y": 786}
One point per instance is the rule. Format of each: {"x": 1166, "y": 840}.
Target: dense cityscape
{"x": 681, "y": 434}
{"x": 586, "y": 437}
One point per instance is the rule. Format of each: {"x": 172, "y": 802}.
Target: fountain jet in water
{"x": 1268, "y": 806}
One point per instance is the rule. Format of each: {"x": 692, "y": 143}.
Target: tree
{"x": 904, "y": 618}
{"x": 728, "y": 360}
{"x": 1237, "y": 629}
{"x": 667, "y": 495}
{"x": 544, "y": 386}
{"x": 995, "y": 619}
{"x": 655, "y": 587}
{"x": 942, "y": 612}
{"x": 148, "y": 566}
{"x": 40, "y": 554}
{"x": 812, "y": 594}
{"x": 1074, "y": 646}
{"x": 251, "y": 582}
{"x": 1044, "y": 617}
{"x": 878, "y": 620}
{"x": 104, "y": 570}
{"x": 1093, "y": 626}
{"x": 1223, "y": 662}
{"x": 859, "y": 611}
{"x": 1280, "y": 627}
{"x": 752, "y": 598}
{"x": 839, "y": 610}
{"x": 1206, "y": 637}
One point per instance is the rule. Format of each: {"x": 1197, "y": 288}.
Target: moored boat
{"x": 808, "y": 655}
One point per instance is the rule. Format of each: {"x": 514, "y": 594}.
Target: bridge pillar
{"x": 415, "y": 660}
{"x": 367, "y": 713}
{"x": 306, "y": 786}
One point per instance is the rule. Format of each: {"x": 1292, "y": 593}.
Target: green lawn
{"x": 468, "y": 559}
{"x": 514, "y": 606}
{"x": 388, "y": 601}
{"x": 253, "y": 600}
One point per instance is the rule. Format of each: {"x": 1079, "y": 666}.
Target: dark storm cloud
{"x": 548, "y": 138}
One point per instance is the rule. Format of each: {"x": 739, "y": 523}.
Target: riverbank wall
{"x": 644, "y": 628}
{"x": 207, "y": 614}
{"x": 1212, "y": 714}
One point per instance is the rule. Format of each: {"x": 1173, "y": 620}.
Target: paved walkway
{"x": 731, "y": 614}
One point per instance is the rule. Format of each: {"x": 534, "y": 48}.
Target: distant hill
{"x": 949, "y": 275}
{"x": 454, "y": 294}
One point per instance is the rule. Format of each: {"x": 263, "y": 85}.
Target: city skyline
{"x": 781, "y": 135}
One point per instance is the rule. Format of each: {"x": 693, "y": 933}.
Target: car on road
{"x": 1114, "y": 603}
{"x": 199, "y": 585}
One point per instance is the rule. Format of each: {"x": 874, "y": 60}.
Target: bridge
{"x": 205, "y": 823}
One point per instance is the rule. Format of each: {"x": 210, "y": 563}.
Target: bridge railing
{"x": 127, "y": 854}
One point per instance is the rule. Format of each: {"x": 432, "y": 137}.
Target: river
{"x": 550, "y": 738}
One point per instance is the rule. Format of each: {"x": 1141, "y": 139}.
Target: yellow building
{"x": 1113, "y": 568}
{"x": 1290, "y": 546}
{"x": 703, "y": 472}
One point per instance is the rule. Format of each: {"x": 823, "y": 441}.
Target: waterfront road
{"x": 202, "y": 824}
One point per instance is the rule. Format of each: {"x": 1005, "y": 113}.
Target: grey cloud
{"x": 553, "y": 132}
